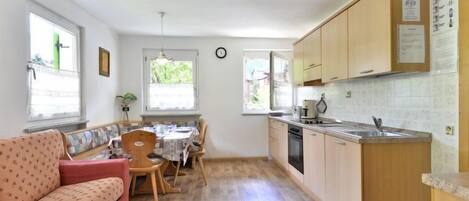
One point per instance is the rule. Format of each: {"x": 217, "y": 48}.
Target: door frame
{"x": 463, "y": 86}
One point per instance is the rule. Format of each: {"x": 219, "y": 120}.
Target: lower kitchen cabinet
{"x": 340, "y": 170}
{"x": 343, "y": 170}
{"x": 314, "y": 163}
{"x": 278, "y": 142}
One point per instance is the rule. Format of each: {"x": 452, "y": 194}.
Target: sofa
{"x": 36, "y": 167}
{"x": 92, "y": 143}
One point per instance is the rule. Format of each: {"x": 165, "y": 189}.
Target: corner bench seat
{"x": 92, "y": 143}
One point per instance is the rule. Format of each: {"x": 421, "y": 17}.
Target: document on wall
{"x": 445, "y": 52}
{"x": 411, "y": 44}
{"x": 411, "y": 10}
{"x": 444, "y": 36}
{"x": 444, "y": 15}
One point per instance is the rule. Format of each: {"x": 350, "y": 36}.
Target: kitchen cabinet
{"x": 335, "y": 49}
{"x": 373, "y": 38}
{"x": 362, "y": 39}
{"x": 278, "y": 142}
{"x": 298, "y": 64}
{"x": 343, "y": 170}
{"x": 340, "y": 170}
{"x": 438, "y": 195}
{"x": 283, "y": 145}
{"x": 369, "y": 38}
{"x": 312, "y": 50}
{"x": 314, "y": 163}
{"x": 312, "y": 74}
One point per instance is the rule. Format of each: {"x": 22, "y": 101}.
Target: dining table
{"x": 173, "y": 145}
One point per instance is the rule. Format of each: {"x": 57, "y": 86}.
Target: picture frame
{"x": 104, "y": 62}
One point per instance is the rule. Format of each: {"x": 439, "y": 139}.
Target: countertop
{"x": 456, "y": 184}
{"x": 340, "y": 132}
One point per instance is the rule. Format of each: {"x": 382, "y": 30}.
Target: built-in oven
{"x": 295, "y": 147}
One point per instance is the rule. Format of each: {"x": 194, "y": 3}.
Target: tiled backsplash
{"x": 423, "y": 102}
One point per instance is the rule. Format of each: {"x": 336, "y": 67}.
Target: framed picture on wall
{"x": 104, "y": 64}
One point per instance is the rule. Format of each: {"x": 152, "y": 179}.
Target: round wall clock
{"x": 220, "y": 52}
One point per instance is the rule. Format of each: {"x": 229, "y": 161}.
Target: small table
{"x": 171, "y": 145}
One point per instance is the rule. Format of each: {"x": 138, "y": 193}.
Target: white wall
{"x": 423, "y": 102}
{"x": 230, "y": 134}
{"x": 99, "y": 91}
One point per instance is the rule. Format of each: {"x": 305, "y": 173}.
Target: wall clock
{"x": 220, "y": 52}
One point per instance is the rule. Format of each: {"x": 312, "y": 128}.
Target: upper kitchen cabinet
{"x": 312, "y": 50}
{"x": 335, "y": 49}
{"x": 374, "y": 27}
{"x": 298, "y": 64}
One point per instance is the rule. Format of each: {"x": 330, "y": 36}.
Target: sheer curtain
{"x": 54, "y": 93}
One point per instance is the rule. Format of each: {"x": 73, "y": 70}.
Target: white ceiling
{"x": 232, "y": 18}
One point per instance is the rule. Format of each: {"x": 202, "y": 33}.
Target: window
{"x": 54, "y": 73}
{"x": 267, "y": 81}
{"x": 171, "y": 86}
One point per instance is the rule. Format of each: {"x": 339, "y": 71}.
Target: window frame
{"x": 149, "y": 53}
{"x": 269, "y": 54}
{"x": 245, "y": 110}
{"x": 76, "y": 30}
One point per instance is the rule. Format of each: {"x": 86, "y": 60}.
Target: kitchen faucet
{"x": 378, "y": 123}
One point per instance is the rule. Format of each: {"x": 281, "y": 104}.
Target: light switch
{"x": 449, "y": 130}
{"x": 348, "y": 94}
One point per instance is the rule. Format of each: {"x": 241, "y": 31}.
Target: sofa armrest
{"x": 72, "y": 172}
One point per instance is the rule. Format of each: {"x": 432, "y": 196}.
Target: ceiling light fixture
{"x": 162, "y": 58}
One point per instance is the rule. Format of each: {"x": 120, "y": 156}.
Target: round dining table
{"x": 173, "y": 144}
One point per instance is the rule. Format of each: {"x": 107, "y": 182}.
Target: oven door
{"x": 295, "y": 151}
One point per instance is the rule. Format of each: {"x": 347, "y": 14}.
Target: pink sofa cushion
{"x": 29, "y": 167}
{"x": 107, "y": 189}
{"x": 72, "y": 172}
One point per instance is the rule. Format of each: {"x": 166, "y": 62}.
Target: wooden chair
{"x": 139, "y": 144}
{"x": 198, "y": 153}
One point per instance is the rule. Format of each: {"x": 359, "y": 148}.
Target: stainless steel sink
{"x": 368, "y": 134}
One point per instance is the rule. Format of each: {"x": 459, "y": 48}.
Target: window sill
{"x": 171, "y": 114}
{"x": 254, "y": 113}
{"x": 41, "y": 127}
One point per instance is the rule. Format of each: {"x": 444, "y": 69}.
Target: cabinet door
{"x": 312, "y": 50}
{"x": 283, "y": 145}
{"x": 369, "y": 37}
{"x": 314, "y": 162}
{"x": 273, "y": 148}
{"x": 335, "y": 49}
{"x": 343, "y": 170}
{"x": 298, "y": 64}
{"x": 312, "y": 74}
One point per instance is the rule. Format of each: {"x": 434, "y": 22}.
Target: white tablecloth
{"x": 171, "y": 145}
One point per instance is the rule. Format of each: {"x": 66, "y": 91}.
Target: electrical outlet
{"x": 348, "y": 94}
{"x": 449, "y": 130}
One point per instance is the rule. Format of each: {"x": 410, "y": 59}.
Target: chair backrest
{"x": 203, "y": 131}
{"x": 29, "y": 165}
{"x": 139, "y": 144}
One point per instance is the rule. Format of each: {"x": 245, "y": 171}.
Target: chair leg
{"x": 202, "y": 168}
{"x": 177, "y": 172}
{"x": 134, "y": 182}
{"x": 193, "y": 162}
{"x": 161, "y": 181}
{"x": 153, "y": 185}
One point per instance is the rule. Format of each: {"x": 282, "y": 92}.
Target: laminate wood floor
{"x": 237, "y": 180}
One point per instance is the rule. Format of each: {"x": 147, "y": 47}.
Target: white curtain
{"x": 171, "y": 96}
{"x": 54, "y": 93}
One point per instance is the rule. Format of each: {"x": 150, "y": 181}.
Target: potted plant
{"x": 126, "y": 99}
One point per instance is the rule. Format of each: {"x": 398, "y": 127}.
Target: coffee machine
{"x": 309, "y": 110}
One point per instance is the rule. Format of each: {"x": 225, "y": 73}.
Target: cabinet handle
{"x": 366, "y": 72}
{"x": 312, "y": 65}
{"x": 340, "y": 142}
{"x": 334, "y": 78}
